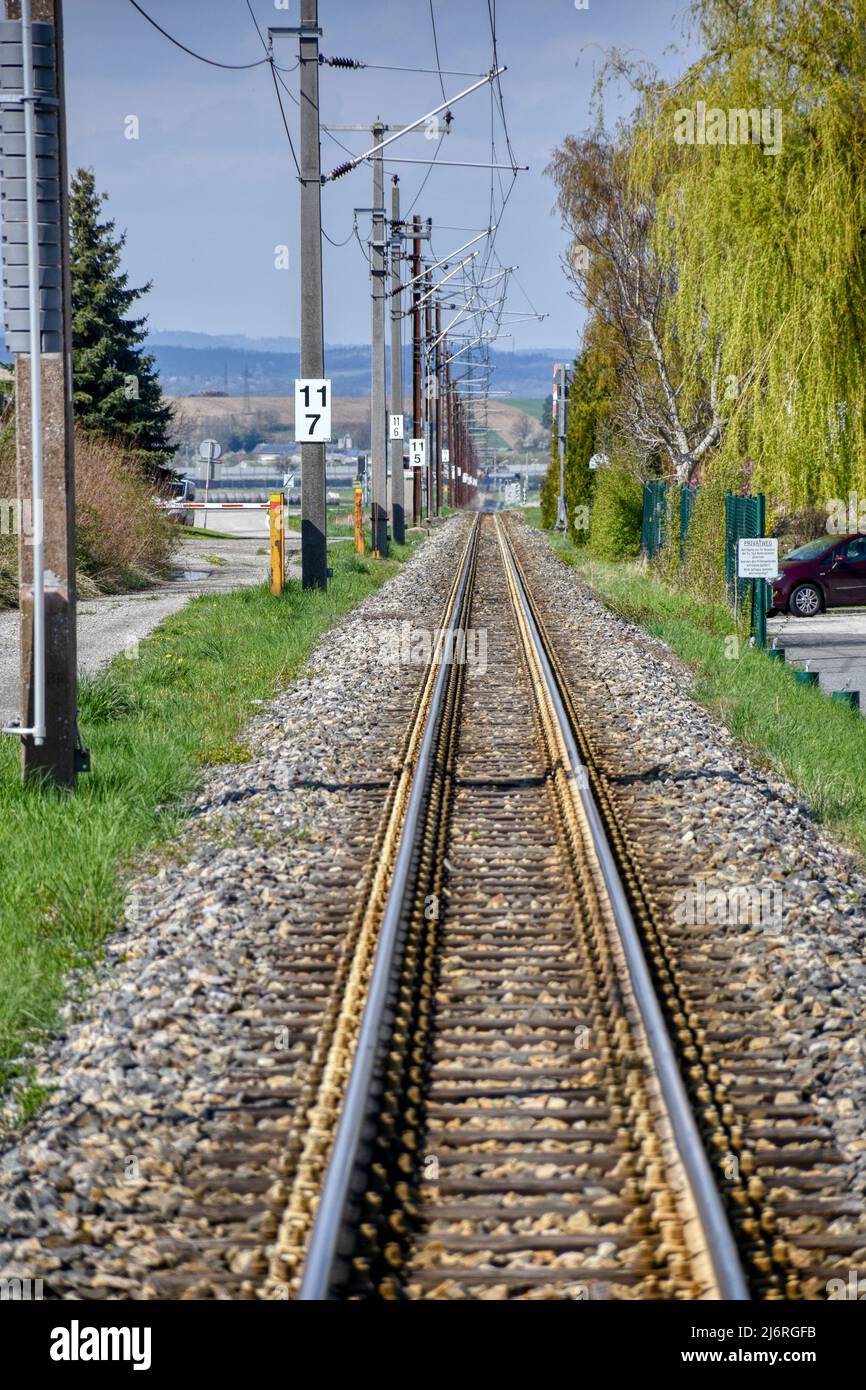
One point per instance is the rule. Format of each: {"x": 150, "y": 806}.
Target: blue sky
{"x": 208, "y": 189}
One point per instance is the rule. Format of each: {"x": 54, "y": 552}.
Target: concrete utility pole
{"x": 378, "y": 425}
{"x": 561, "y": 428}
{"x": 398, "y": 487}
{"x": 36, "y": 258}
{"x": 429, "y": 388}
{"x": 437, "y": 367}
{"x": 417, "y": 416}
{"x": 314, "y": 545}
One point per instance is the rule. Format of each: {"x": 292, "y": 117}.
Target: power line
{"x": 345, "y": 242}
{"x": 285, "y": 122}
{"x": 269, "y": 59}
{"x": 397, "y": 67}
{"x": 436, "y": 49}
{"x": 212, "y": 62}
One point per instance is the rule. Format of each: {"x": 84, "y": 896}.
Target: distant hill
{"x": 192, "y": 362}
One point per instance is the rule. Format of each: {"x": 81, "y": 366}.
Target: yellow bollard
{"x": 278, "y": 542}
{"x": 359, "y": 521}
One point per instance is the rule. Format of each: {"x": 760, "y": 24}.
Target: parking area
{"x": 833, "y": 644}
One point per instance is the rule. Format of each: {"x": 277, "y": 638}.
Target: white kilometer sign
{"x": 757, "y": 557}
{"x": 312, "y": 410}
{"x": 395, "y": 426}
{"x": 416, "y": 453}
{"x": 446, "y": 455}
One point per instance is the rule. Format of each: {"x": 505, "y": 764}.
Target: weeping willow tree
{"x": 757, "y": 160}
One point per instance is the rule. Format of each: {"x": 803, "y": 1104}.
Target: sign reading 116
{"x": 312, "y": 410}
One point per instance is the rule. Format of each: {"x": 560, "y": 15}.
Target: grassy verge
{"x": 153, "y": 725}
{"x": 818, "y": 745}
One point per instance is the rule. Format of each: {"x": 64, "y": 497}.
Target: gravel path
{"x": 214, "y": 991}
{"x": 111, "y": 624}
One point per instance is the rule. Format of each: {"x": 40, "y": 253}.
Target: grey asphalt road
{"x": 833, "y": 644}
{"x": 115, "y": 623}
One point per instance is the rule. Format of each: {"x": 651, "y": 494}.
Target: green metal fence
{"x": 688, "y": 497}
{"x": 654, "y": 523}
{"x": 655, "y": 515}
{"x": 745, "y": 517}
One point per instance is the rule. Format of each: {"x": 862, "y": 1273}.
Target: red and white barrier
{"x": 215, "y": 506}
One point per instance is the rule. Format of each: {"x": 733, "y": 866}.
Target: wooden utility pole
{"x": 417, "y": 416}
{"x": 44, "y": 379}
{"x": 314, "y": 545}
{"x": 398, "y": 486}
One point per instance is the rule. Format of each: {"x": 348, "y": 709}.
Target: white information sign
{"x": 416, "y": 453}
{"x": 395, "y": 426}
{"x": 312, "y": 410}
{"x": 757, "y": 557}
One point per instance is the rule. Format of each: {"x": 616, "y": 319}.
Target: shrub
{"x": 617, "y": 508}
{"x": 121, "y": 534}
{"x": 122, "y": 538}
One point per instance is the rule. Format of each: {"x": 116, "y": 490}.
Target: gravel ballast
{"x": 727, "y": 841}
{"x": 122, "y": 1186}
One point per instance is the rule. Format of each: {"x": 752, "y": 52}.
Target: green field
{"x": 529, "y": 405}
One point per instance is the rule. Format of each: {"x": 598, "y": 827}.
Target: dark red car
{"x": 827, "y": 573}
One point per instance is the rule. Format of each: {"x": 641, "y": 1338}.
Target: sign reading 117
{"x": 312, "y": 410}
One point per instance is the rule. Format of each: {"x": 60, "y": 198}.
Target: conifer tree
{"x": 116, "y": 388}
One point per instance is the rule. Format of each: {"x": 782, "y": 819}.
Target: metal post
{"x": 378, "y": 427}
{"x": 314, "y": 547}
{"x": 43, "y": 411}
{"x": 760, "y": 596}
{"x": 417, "y": 419}
{"x": 398, "y": 487}
{"x": 278, "y": 542}
{"x": 561, "y": 428}
{"x": 359, "y": 520}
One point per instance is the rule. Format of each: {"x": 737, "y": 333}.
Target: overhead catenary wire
{"x": 212, "y": 62}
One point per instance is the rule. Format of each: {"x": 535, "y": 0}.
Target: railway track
{"x": 502, "y": 1113}
{"x": 507, "y": 1073}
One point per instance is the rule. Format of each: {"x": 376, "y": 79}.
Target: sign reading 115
{"x": 312, "y": 410}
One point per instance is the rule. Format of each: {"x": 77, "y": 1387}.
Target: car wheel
{"x": 805, "y": 601}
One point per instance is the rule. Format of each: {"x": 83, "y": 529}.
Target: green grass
{"x": 797, "y": 731}
{"x": 153, "y": 724}
{"x": 337, "y": 524}
{"x": 533, "y": 515}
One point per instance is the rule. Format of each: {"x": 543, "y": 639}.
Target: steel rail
{"x": 331, "y": 1213}
{"x": 332, "y": 1234}
{"x": 721, "y": 1246}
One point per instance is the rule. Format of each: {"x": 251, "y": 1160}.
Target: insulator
{"x": 342, "y": 169}
{"x": 343, "y": 63}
